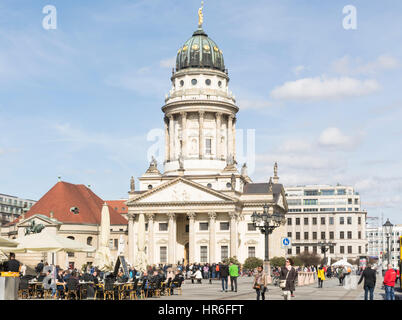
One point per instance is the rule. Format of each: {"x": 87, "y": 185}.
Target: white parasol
{"x": 103, "y": 258}
{"x": 44, "y": 242}
{"x": 141, "y": 260}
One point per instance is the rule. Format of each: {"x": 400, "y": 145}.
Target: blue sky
{"x": 325, "y": 102}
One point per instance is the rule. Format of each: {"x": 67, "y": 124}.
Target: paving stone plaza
{"x": 330, "y": 291}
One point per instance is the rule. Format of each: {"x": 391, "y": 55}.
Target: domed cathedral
{"x": 198, "y": 209}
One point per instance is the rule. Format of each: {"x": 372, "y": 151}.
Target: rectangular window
{"x": 322, "y": 220}
{"x": 224, "y": 226}
{"x": 146, "y": 226}
{"x": 314, "y": 235}
{"x": 360, "y": 249}
{"x": 310, "y": 202}
{"x": 297, "y": 221}
{"x": 208, "y": 146}
{"x": 329, "y": 192}
{"x": 306, "y": 236}
{"x": 204, "y": 253}
{"x": 342, "y": 249}
{"x": 187, "y": 228}
{"x": 289, "y": 234}
{"x": 163, "y": 254}
{"x": 305, "y": 221}
{"x": 224, "y": 252}
{"x": 350, "y": 201}
{"x": 349, "y": 234}
{"x": 289, "y": 221}
{"x": 341, "y": 220}
{"x": 359, "y": 235}
{"x": 311, "y": 192}
{"x": 251, "y": 252}
{"x": 349, "y": 249}
{"x": 314, "y": 221}
{"x": 331, "y": 235}
{"x": 341, "y": 192}
{"x": 306, "y": 249}
{"x": 297, "y": 235}
{"x": 331, "y": 220}
{"x": 331, "y": 249}
{"x": 314, "y": 249}
{"x": 341, "y": 235}
{"x": 163, "y": 226}
{"x": 116, "y": 244}
{"x": 356, "y": 201}
{"x": 251, "y": 227}
{"x": 203, "y": 226}
{"x": 322, "y": 235}
{"x": 349, "y": 220}
{"x": 297, "y": 250}
{"x": 290, "y": 251}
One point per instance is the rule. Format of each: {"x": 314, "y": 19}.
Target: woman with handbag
{"x": 287, "y": 279}
{"x": 260, "y": 284}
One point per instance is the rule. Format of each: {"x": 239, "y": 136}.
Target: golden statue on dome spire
{"x": 200, "y": 15}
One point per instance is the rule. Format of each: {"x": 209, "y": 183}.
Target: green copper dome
{"x": 200, "y": 52}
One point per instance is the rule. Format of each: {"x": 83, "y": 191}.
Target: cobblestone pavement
{"x": 331, "y": 291}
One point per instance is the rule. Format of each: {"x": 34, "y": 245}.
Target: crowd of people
{"x": 56, "y": 280}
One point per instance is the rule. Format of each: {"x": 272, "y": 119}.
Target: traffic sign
{"x": 286, "y": 242}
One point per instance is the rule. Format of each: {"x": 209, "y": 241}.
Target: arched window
{"x": 89, "y": 241}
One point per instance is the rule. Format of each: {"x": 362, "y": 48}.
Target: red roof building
{"x": 73, "y": 204}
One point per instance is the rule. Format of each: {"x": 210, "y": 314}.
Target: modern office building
{"x": 326, "y": 214}
{"x": 377, "y": 244}
{"x": 11, "y": 207}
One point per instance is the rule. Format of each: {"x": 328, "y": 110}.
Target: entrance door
{"x": 186, "y": 253}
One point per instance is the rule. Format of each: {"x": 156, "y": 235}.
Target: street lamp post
{"x": 325, "y": 247}
{"x": 267, "y": 223}
{"x": 387, "y": 227}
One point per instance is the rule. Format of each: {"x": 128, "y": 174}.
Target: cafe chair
{"x": 156, "y": 289}
{"x": 133, "y": 292}
{"x": 167, "y": 287}
{"x": 108, "y": 290}
{"x": 72, "y": 289}
{"x": 23, "y": 290}
{"x": 143, "y": 290}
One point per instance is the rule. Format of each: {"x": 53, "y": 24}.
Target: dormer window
{"x": 74, "y": 210}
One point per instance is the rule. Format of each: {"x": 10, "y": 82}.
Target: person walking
{"x": 224, "y": 273}
{"x": 287, "y": 279}
{"x": 320, "y": 276}
{"x": 234, "y": 273}
{"x": 369, "y": 276}
{"x": 389, "y": 283}
{"x": 260, "y": 283}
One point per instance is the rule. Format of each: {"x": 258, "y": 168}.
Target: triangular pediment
{"x": 39, "y": 219}
{"x": 181, "y": 190}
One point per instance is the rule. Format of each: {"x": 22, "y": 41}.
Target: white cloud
{"x": 348, "y": 66}
{"x": 299, "y": 69}
{"x": 320, "y": 88}
{"x": 168, "y": 63}
{"x": 333, "y": 137}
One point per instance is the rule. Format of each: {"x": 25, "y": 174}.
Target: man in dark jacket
{"x": 369, "y": 276}
{"x": 224, "y": 271}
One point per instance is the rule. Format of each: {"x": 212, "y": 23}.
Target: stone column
{"x": 218, "y": 135}
{"x": 191, "y": 236}
{"x": 212, "y": 255}
{"x": 172, "y": 238}
{"x": 201, "y": 134}
{"x": 184, "y": 132}
{"x": 234, "y": 138}
{"x": 171, "y": 137}
{"x": 151, "y": 253}
{"x": 230, "y": 136}
{"x": 233, "y": 233}
{"x": 167, "y": 149}
{"x": 131, "y": 242}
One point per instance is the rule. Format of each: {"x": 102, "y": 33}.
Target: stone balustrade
{"x": 306, "y": 278}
